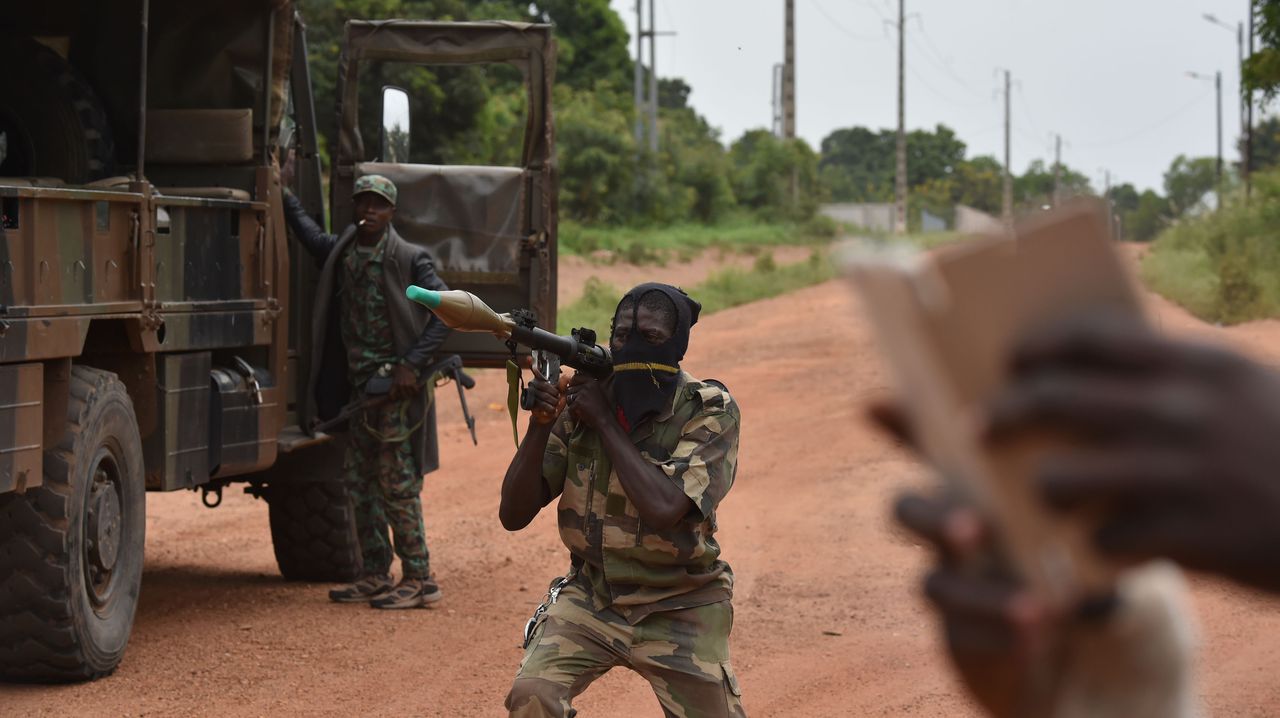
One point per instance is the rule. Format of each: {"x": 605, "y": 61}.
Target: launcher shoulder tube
{"x": 535, "y": 338}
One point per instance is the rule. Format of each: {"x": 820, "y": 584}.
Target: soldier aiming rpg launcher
{"x": 465, "y": 312}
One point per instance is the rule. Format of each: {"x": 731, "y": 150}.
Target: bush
{"x": 593, "y": 310}
{"x": 654, "y": 245}
{"x": 820, "y": 226}
{"x": 764, "y": 264}
{"x": 722, "y": 290}
{"x": 1223, "y": 266}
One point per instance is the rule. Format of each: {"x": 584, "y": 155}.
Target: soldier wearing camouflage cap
{"x": 639, "y": 463}
{"x": 365, "y": 328}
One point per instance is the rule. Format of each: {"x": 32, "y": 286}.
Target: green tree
{"x": 860, "y": 165}
{"x": 1262, "y": 68}
{"x": 443, "y": 101}
{"x": 673, "y": 93}
{"x": 596, "y": 153}
{"x": 1266, "y": 144}
{"x": 1187, "y": 181}
{"x": 1124, "y": 198}
{"x": 477, "y": 114}
{"x": 693, "y": 161}
{"x": 931, "y": 155}
{"x": 980, "y": 184}
{"x": 764, "y": 169}
{"x": 1147, "y": 219}
{"x": 857, "y": 165}
{"x": 592, "y": 39}
{"x": 1035, "y": 187}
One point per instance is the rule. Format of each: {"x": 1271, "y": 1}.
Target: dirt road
{"x": 805, "y": 528}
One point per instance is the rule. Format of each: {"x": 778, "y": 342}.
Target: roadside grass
{"x": 722, "y": 290}
{"x": 933, "y": 240}
{"x": 681, "y": 242}
{"x": 1223, "y": 267}
{"x": 919, "y": 240}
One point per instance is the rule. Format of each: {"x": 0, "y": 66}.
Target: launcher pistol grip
{"x": 548, "y": 365}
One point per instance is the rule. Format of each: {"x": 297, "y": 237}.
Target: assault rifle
{"x": 377, "y": 392}
{"x": 465, "y": 312}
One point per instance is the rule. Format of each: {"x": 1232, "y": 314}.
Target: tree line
{"x": 475, "y": 115}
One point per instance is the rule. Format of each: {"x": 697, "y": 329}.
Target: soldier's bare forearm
{"x": 659, "y": 501}
{"x": 524, "y": 491}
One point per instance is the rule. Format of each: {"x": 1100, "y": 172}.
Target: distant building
{"x": 873, "y": 217}
{"x": 975, "y": 221}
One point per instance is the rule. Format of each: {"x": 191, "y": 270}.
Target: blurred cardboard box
{"x": 947, "y": 322}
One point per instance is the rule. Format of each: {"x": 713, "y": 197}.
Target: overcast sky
{"x": 1109, "y": 75}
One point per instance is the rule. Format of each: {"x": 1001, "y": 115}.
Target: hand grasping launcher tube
{"x": 465, "y": 312}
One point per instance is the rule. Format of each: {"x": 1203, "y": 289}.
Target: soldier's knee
{"x": 538, "y": 698}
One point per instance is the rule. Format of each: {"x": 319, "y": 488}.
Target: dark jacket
{"x": 418, "y": 333}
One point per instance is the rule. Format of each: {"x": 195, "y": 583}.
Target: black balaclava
{"x": 645, "y": 375}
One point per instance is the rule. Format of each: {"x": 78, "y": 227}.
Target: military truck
{"x": 155, "y": 315}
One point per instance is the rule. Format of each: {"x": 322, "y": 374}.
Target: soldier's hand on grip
{"x": 587, "y": 401}
{"x": 549, "y": 399}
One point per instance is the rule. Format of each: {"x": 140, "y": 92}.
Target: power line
{"x": 1181, "y": 110}
{"x": 944, "y": 63}
{"x": 1026, "y": 109}
{"x": 839, "y": 26}
{"x": 941, "y": 95}
{"x": 877, "y": 11}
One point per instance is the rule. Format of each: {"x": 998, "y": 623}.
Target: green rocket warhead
{"x": 465, "y": 312}
{"x": 462, "y": 311}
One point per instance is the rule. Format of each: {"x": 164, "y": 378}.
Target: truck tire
{"x": 313, "y": 528}
{"x": 53, "y": 121}
{"x": 71, "y": 549}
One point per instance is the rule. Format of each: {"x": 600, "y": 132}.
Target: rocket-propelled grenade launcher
{"x": 465, "y": 312}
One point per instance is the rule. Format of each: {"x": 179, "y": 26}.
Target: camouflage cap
{"x": 378, "y": 185}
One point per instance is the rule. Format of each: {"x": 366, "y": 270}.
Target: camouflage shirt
{"x": 366, "y": 325}
{"x": 629, "y": 566}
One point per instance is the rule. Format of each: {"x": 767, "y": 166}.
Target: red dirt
{"x": 806, "y": 529}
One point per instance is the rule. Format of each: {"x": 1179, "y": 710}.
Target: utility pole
{"x": 900, "y": 185}
{"x": 789, "y": 74}
{"x": 1248, "y": 135}
{"x": 647, "y": 124}
{"x": 1057, "y": 171}
{"x": 1244, "y": 161}
{"x": 1239, "y": 32}
{"x": 1106, "y": 197}
{"x": 653, "y": 80}
{"x": 639, "y": 130}
{"x": 1008, "y": 155}
{"x": 1217, "y": 85}
{"x": 778, "y": 70}
{"x": 789, "y": 93}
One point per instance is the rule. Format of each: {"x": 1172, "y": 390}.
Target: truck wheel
{"x": 313, "y": 527}
{"x": 71, "y": 549}
{"x": 52, "y": 121}
{"x": 313, "y": 531}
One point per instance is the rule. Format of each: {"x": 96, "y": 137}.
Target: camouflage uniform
{"x": 655, "y": 601}
{"x": 382, "y": 477}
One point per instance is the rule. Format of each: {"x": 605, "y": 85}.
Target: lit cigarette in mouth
{"x": 361, "y": 223}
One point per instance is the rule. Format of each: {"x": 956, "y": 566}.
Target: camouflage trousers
{"x": 683, "y": 654}
{"x": 385, "y": 488}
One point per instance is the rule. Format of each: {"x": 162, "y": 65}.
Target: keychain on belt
{"x": 553, "y": 594}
